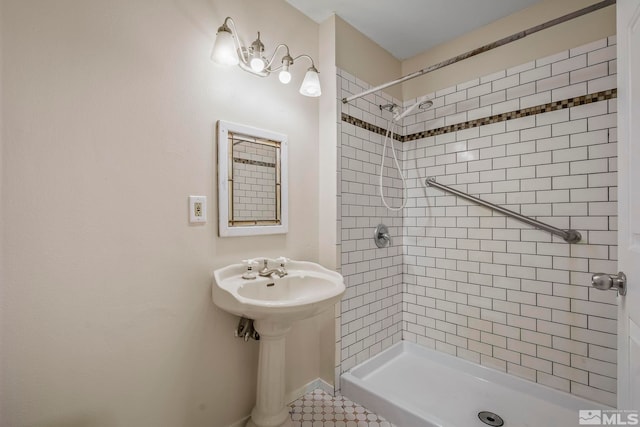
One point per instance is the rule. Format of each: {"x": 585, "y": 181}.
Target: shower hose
{"x": 390, "y": 129}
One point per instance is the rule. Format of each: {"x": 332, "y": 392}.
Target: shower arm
{"x": 399, "y": 116}
{"x": 569, "y": 236}
{"x": 485, "y": 48}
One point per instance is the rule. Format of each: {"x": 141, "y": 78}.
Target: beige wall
{"x": 109, "y": 111}
{"x": 576, "y": 32}
{"x": 1, "y": 214}
{"x": 328, "y": 165}
{"x": 327, "y": 157}
{"x": 361, "y": 57}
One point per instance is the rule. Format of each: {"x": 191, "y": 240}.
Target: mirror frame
{"x": 224, "y": 229}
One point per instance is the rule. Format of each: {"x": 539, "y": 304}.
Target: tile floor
{"x": 320, "y": 409}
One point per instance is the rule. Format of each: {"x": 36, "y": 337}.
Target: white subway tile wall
{"x": 474, "y": 283}
{"x": 371, "y": 310}
{"x": 254, "y": 182}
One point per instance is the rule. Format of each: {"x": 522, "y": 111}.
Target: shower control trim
{"x": 381, "y": 236}
{"x": 605, "y": 282}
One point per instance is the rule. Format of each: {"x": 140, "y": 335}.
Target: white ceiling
{"x": 408, "y": 27}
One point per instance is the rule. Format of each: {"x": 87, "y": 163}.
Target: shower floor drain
{"x": 490, "y": 419}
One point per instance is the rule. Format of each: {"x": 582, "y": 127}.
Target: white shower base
{"x": 412, "y": 386}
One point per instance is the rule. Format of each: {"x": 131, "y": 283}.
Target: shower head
{"x": 389, "y": 107}
{"x": 422, "y": 103}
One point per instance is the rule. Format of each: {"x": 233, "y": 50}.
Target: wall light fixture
{"x": 227, "y": 50}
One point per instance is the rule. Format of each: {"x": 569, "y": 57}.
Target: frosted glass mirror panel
{"x": 252, "y": 180}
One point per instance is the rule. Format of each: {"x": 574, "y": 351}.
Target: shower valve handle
{"x": 386, "y": 237}
{"x": 381, "y": 236}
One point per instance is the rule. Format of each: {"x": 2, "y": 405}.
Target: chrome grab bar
{"x": 569, "y": 236}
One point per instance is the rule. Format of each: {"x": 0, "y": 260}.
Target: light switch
{"x": 197, "y": 209}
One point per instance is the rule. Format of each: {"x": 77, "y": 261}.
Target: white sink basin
{"x": 274, "y": 303}
{"x": 306, "y": 290}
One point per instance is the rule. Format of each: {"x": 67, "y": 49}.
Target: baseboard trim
{"x": 294, "y": 395}
{"x": 240, "y": 423}
{"x": 310, "y": 386}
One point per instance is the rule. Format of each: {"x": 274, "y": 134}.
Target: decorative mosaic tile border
{"x": 538, "y": 109}
{"x": 368, "y": 126}
{"x": 254, "y": 162}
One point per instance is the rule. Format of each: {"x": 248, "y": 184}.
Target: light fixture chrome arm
{"x": 270, "y": 61}
{"x": 313, "y": 65}
{"x": 229, "y": 50}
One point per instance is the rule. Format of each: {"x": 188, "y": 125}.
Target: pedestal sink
{"x": 274, "y": 303}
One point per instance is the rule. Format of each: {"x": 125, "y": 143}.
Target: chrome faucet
{"x": 267, "y": 272}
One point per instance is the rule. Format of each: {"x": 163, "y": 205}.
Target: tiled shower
{"x": 538, "y": 139}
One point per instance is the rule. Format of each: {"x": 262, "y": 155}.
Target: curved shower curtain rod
{"x": 486, "y": 48}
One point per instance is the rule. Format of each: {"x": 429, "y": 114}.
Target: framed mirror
{"x": 252, "y": 181}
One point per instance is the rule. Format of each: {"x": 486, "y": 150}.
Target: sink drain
{"x": 490, "y": 419}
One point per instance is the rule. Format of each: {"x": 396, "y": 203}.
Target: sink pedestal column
{"x": 271, "y": 409}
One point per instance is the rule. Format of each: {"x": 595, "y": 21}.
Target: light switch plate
{"x": 197, "y": 209}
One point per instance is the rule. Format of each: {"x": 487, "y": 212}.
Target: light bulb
{"x": 284, "y": 76}
{"x": 257, "y": 64}
{"x": 224, "y": 50}
{"x": 311, "y": 83}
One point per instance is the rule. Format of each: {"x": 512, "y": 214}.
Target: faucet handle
{"x": 282, "y": 260}
{"x": 249, "y": 274}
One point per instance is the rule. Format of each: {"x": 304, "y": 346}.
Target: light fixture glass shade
{"x": 311, "y": 83}
{"x": 224, "y": 50}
